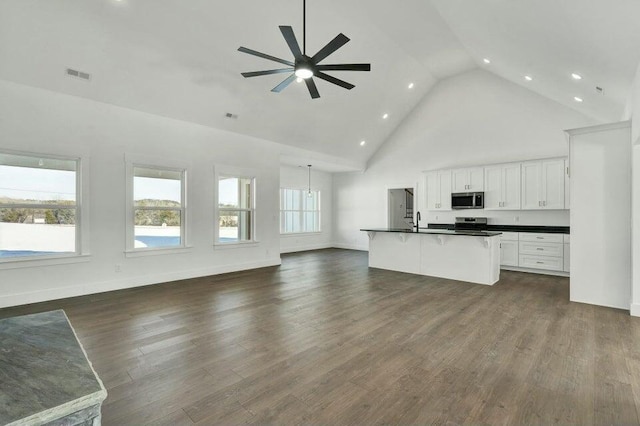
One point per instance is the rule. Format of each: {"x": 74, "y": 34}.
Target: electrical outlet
{"x": 118, "y": 268}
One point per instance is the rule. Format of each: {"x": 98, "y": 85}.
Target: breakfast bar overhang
{"x": 471, "y": 256}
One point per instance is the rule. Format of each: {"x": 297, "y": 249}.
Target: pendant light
{"x": 309, "y": 192}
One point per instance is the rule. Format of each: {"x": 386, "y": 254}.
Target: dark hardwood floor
{"x": 322, "y": 339}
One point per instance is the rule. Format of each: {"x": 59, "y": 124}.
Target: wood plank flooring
{"x": 322, "y": 339}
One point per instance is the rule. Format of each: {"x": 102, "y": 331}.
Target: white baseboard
{"x": 635, "y": 310}
{"x": 535, "y": 271}
{"x": 350, "y": 246}
{"x": 306, "y": 247}
{"x": 112, "y": 285}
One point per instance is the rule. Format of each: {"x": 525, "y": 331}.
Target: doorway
{"x": 401, "y": 208}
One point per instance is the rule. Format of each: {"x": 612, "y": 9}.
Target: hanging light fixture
{"x": 309, "y": 192}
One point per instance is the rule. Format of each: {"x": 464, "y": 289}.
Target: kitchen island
{"x": 45, "y": 376}
{"x": 472, "y": 256}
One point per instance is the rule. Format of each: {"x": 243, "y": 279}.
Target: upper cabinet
{"x": 543, "y": 184}
{"x": 502, "y": 187}
{"x": 467, "y": 180}
{"x": 530, "y": 185}
{"x": 438, "y": 190}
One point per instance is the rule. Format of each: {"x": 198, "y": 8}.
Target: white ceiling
{"x": 179, "y": 58}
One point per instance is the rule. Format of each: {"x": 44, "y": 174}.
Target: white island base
{"x": 471, "y": 258}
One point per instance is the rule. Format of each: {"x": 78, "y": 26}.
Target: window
{"x": 39, "y": 206}
{"x": 236, "y": 210}
{"x": 158, "y": 207}
{"x": 299, "y": 212}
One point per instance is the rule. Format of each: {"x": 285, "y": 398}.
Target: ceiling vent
{"x": 78, "y": 74}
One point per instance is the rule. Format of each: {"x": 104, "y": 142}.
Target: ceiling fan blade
{"x": 268, "y": 72}
{"x": 265, "y": 56}
{"x": 313, "y": 90}
{"x": 334, "y": 80}
{"x": 280, "y": 87}
{"x": 335, "y": 44}
{"x": 345, "y": 67}
{"x": 290, "y": 38}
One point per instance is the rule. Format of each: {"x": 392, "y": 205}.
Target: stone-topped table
{"x": 45, "y": 375}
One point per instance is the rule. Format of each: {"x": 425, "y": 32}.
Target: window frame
{"x": 163, "y": 165}
{"x": 239, "y": 173}
{"x": 301, "y": 211}
{"x": 81, "y": 209}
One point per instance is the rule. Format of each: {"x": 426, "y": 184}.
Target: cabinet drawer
{"x": 541, "y": 262}
{"x": 543, "y": 238}
{"x": 541, "y": 249}
{"x": 509, "y": 236}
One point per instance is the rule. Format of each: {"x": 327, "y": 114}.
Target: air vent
{"x": 78, "y": 74}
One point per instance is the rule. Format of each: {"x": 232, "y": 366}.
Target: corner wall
{"x": 36, "y": 120}
{"x": 475, "y": 118}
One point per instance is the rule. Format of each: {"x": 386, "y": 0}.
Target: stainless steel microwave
{"x": 467, "y": 200}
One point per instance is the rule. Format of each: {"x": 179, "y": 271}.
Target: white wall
{"x": 35, "y": 120}
{"x": 298, "y": 178}
{"x": 601, "y": 215}
{"x": 472, "y": 119}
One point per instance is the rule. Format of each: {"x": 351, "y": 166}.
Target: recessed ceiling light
{"x": 363, "y": 143}
{"x": 385, "y": 116}
{"x": 411, "y": 85}
{"x": 577, "y": 99}
{"x": 486, "y": 60}
{"x": 576, "y": 76}
{"x": 528, "y": 78}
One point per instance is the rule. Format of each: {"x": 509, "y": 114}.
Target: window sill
{"x": 158, "y": 251}
{"x": 31, "y": 262}
{"x": 235, "y": 245}
{"x": 300, "y": 234}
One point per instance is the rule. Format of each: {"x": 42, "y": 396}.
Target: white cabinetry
{"x": 438, "y": 190}
{"x": 502, "y": 187}
{"x": 543, "y": 184}
{"x": 541, "y": 251}
{"x": 467, "y": 180}
{"x": 509, "y": 249}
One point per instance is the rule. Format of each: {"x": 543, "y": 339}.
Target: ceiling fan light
{"x": 304, "y": 73}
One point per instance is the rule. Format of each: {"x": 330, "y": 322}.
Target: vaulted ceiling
{"x": 179, "y": 58}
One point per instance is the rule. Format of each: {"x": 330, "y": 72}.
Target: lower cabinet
{"x": 509, "y": 249}
{"x": 549, "y": 252}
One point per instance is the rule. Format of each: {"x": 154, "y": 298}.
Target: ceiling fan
{"x": 305, "y": 67}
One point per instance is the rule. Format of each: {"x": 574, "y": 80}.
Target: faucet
{"x": 418, "y": 222}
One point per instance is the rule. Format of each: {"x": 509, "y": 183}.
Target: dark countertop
{"x": 511, "y": 228}
{"x": 435, "y": 231}
{"x": 44, "y": 372}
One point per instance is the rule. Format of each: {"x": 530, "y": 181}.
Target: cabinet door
{"x": 531, "y": 186}
{"x": 493, "y": 192}
{"x": 432, "y": 186}
{"x": 567, "y": 199}
{"x": 475, "y": 179}
{"x": 509, "y": 253}
{"x": 553, "y": 184}
{"x": 460, "y": 180}
{"x": 444, "y": 180}
{"x": 511, "y": 187}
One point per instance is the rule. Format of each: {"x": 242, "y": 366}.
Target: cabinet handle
{"x": 539, "y": 203}
{"x": 541, "y": 249}
{"x": 540, "y": 238}
{"x": 540, "y": 263}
